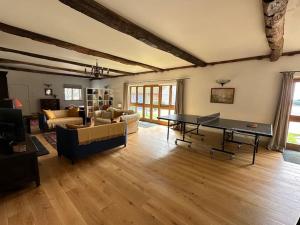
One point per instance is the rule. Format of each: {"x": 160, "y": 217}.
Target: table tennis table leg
{"x": 255, "y": 148}
{"x": 168, "y": 133}
{"x": 223, "y": 146}
{"x": 183, "y": 124}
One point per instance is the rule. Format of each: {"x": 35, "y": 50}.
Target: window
{"x": 165, "y": 95}
{"x": 147, "y": 95}
{"x": 173, "y": 95}
{"x": 140, "y": 95}
{"x": 133, "y": 95}
{"x": 73, "y": 92}
{"x": 155, "y": 95}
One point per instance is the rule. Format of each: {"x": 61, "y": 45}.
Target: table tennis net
{"x": 209, "y": 118}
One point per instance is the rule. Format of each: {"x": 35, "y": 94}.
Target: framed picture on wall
{"x": 222, "y": 95}
{"x": 48, "y": 91}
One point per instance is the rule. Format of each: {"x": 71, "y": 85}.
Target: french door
{"x": 151, "y": 101}
{"x": 293, "y": 141}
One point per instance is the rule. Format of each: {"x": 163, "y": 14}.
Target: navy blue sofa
{"x": 68, "y": 144}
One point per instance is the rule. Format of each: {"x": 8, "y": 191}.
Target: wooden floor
{"x": 153, "y": 181}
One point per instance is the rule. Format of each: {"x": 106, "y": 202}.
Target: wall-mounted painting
{"x": 48, "y": 91}
{"x": 222, "y": 95}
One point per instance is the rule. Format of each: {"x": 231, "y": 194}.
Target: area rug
{"x": 41, "y": 150}
{"x": 291, "y": 156}
{"x": 146, "y": 124}
{"x": 50, "y": 138}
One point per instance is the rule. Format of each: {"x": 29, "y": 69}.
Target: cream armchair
{"x": 132, "y": 122}
{"x": 112, "y": 115}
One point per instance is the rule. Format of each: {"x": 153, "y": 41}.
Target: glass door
{"x": 151, "y": 101}
{"x": 293, "y": 141}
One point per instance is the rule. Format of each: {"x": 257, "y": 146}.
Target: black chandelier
{"x": 98, "y": 71}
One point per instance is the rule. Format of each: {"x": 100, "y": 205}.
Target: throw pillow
{"x": 49, "y": 114}
{"x": 73, "y": 112}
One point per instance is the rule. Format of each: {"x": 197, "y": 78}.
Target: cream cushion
{"x": 62, "y": 121}
{"x": 102, "y": 132}
{"x": 100, "y": 121}
{"x": 49, "y": 114}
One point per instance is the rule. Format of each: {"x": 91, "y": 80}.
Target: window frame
{"x": 73, "y": 88}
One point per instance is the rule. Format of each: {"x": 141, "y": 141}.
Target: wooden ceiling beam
{"x": 41, "y": 71}
{"x": 274, "y": 13}
{"x": 102, "y": 14}
{"x": 70, "y": 46}
{"x": 10, "y": 61}
{"x": 259, "y": 57}
{"x": 34, "y": 55}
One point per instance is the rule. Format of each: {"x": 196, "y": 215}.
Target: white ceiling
{"x": 211, "y": 30}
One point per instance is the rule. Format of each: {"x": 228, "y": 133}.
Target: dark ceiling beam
{"x": 70, "y": 46}
{"x": 10, "y": 61}
{"x": 260, "y": 57}
{"x": 41, "y": 71}
{"x": 274, "y": 13}
{"x": 102, "y": 14}
{"x": 56, "y": 59}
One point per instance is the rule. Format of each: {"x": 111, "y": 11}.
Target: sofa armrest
{"x": 130, "y": 118}
{"x": 43, "y": 122}
{"x": 67, "y": 141}
{"x": 82, "y": 115}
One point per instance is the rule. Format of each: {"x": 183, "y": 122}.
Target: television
{"x": 12, "y": 125}
{"x": 7, "y": 103}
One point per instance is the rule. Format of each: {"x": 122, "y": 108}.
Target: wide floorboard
{"x": 153, "y": 181}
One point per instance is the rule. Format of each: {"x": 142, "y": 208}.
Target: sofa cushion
{"x": 60, "y": 113}
{"x": 62, "y": 121}
{"x": 97, "y": 113}
{"x": 106, "y": 114}
{"x": 49, "y": 114}
{"x": 100, "y": 121}
{"x": 102, "y": 132}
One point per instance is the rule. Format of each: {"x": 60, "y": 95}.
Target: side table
{"x": 17, "y": 169}
{"x": 27, "y": 119}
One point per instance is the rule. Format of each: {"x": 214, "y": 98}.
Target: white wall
{"x": 257, "y": 86}
{"x": 35, "y": 83}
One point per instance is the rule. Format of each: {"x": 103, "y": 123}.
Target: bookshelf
{"x": 96, "y": 98}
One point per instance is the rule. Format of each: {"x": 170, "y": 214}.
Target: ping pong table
{"x": 230, "y": 129}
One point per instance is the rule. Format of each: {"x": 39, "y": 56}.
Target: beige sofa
{"x": 61, "y": 117}
{"x": 113, "y": 115}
